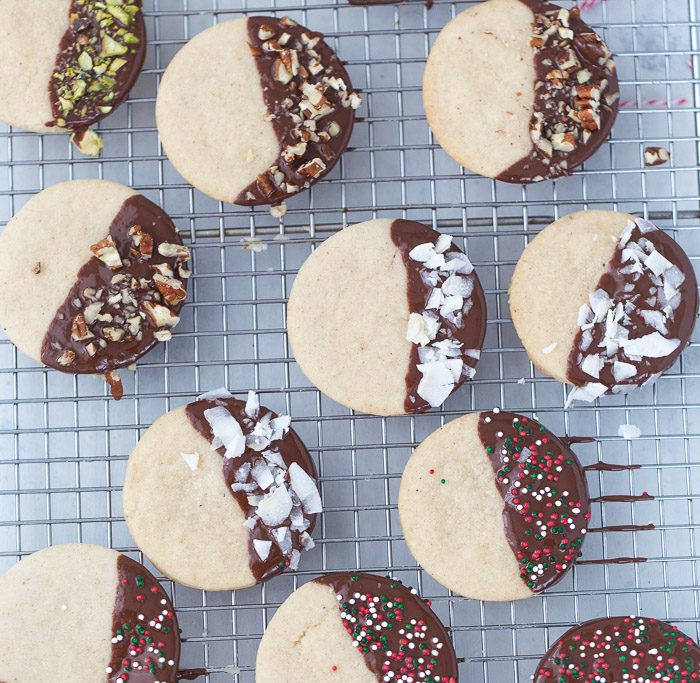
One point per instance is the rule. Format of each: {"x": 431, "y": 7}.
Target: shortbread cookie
{"x": 225, "y": 480}
{"x": 92, "y": 276}
{"x": 254, "y": 110}
{"x": 604, "y": 301}
{"x": 520, "y": 90}
{"x": 621, "y": 650}
{"x": 355, "y": 628}
{"x": 494, "y": 506}
{"x": 65, "y": 64}
{"x": 83, "y": 613}
{"x": 387, "y": 317}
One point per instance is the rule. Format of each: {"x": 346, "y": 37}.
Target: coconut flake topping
{"x": 620, "y": 339}
{"x": 450, "y": 276}
{"x": 282, "y": 497}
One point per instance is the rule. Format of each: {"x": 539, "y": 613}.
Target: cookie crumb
{"x": 36, "y": 268}
{"x": 253, "y": 244}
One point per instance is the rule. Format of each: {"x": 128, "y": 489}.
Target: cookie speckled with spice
{"x": 494, "y": 506}
{"x": 520, "y": 90}
{"x": 254, "y": 110}
{"x": 402, "y": 328}
{"x": 92, "y": 276}
{"x": 66, "y": 64}
{"x": 225, "y": 479}
{"x": 83, "y": 613}
{"x": 604, "y": 301}
{"x": 621, "y": 650}
{"x": 355, "y": 628}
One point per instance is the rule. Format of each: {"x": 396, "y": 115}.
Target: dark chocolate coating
{"x": 86, "y": 34}
{"x": 549, "y": 463}
{"x": 407, "y": 605}
{"x": 613, "y": 282}
{"x": 292, "y": 450}
{"x": 95, "y": 274}
{"x": 660, "y": 650}
{"x": 141, "y": 603}
{"x": 282, "y": 101}
{"x": 406, "y": 235}
{"x": 553, "y": 104}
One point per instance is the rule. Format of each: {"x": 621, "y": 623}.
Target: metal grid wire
{"x": 64, "y": 443}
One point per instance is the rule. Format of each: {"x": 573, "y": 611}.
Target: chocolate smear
{"x": 619, "y": 649}
{"x": 639, "y": 318}
{"x": 446, "y": 338}
{"x": 576, "y": 95}
{"x": 125, "y": 298}
{"x": 145, "y": 634}
{"x": 283, "y": 541}
{"x": 545, "y": 495}
{"x": 414, "y": 645}
{"x": 309, "y": 96}
{"x": 99, "y": 59}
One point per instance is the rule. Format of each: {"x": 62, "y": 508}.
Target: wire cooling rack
{"x": 64, "y": 443}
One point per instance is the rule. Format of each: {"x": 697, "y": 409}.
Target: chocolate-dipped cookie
{"x": 92, "y": 276}
{"x": 82, "y": 613}
{"x": 226, "y": 480}
{"x": 65, "y": 64}
{"x": 621, "y": 650}
{"x": 355, "y": 628}
{"x": 494, "y": 506}
{"x": 254, "y": 110}
{"x": 520, "y": 90}
{"x": 604, "y": 301}
{"x": 387, "y": 317}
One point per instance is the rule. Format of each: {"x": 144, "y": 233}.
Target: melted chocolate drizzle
{"x": 553, "y": 104}
{"x": 191, "y": 674}
{"x": 616, "y": 560}
{"x": 525, "y": 453}
{"x": 291, "y": 449}
{"x": 623, "y": 527}
{"x": 81, "y": 95}
{"x": 406, "y": 235}
{"x": 570, "y": 440}
{"x": 600, "y": 650}
{"x": 622, "y": 499}
{"x": 292, "y": 124}
{"x": 144, "y": 627}
{"x": 610, "y": 467}
{"x": 631, "y": 292}
{"x": 97, "y": 276}
{"x": 370, "y": 596}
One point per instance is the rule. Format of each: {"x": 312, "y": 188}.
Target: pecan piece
{"x": 79, "y": 329}
{"x": 171, "y": 289}
{"x": 106, "y": 251}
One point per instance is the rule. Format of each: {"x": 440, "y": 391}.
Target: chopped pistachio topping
{"x": 101, "y": 39}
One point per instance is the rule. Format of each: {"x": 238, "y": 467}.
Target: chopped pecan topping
{"x": 106, "y": 251}
{"x": 171, "y": 289}
{"x": 79, "y": 330}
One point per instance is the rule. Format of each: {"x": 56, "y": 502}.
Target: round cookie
{"x": 92, "y": 276}
{"x": 520, "y": 90}
{"x": 225, "y": 480}
{"x": 494, "y": 506}
{"x": 272, "y": 118}
{"x": 81, "y": 613}
{"x": 604, "y": 301}
{"x": 621, "y": 650}
{"x": 355, "y": 628}
{"x": 65, "y": 64}
{"x": 387, "y": 317}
